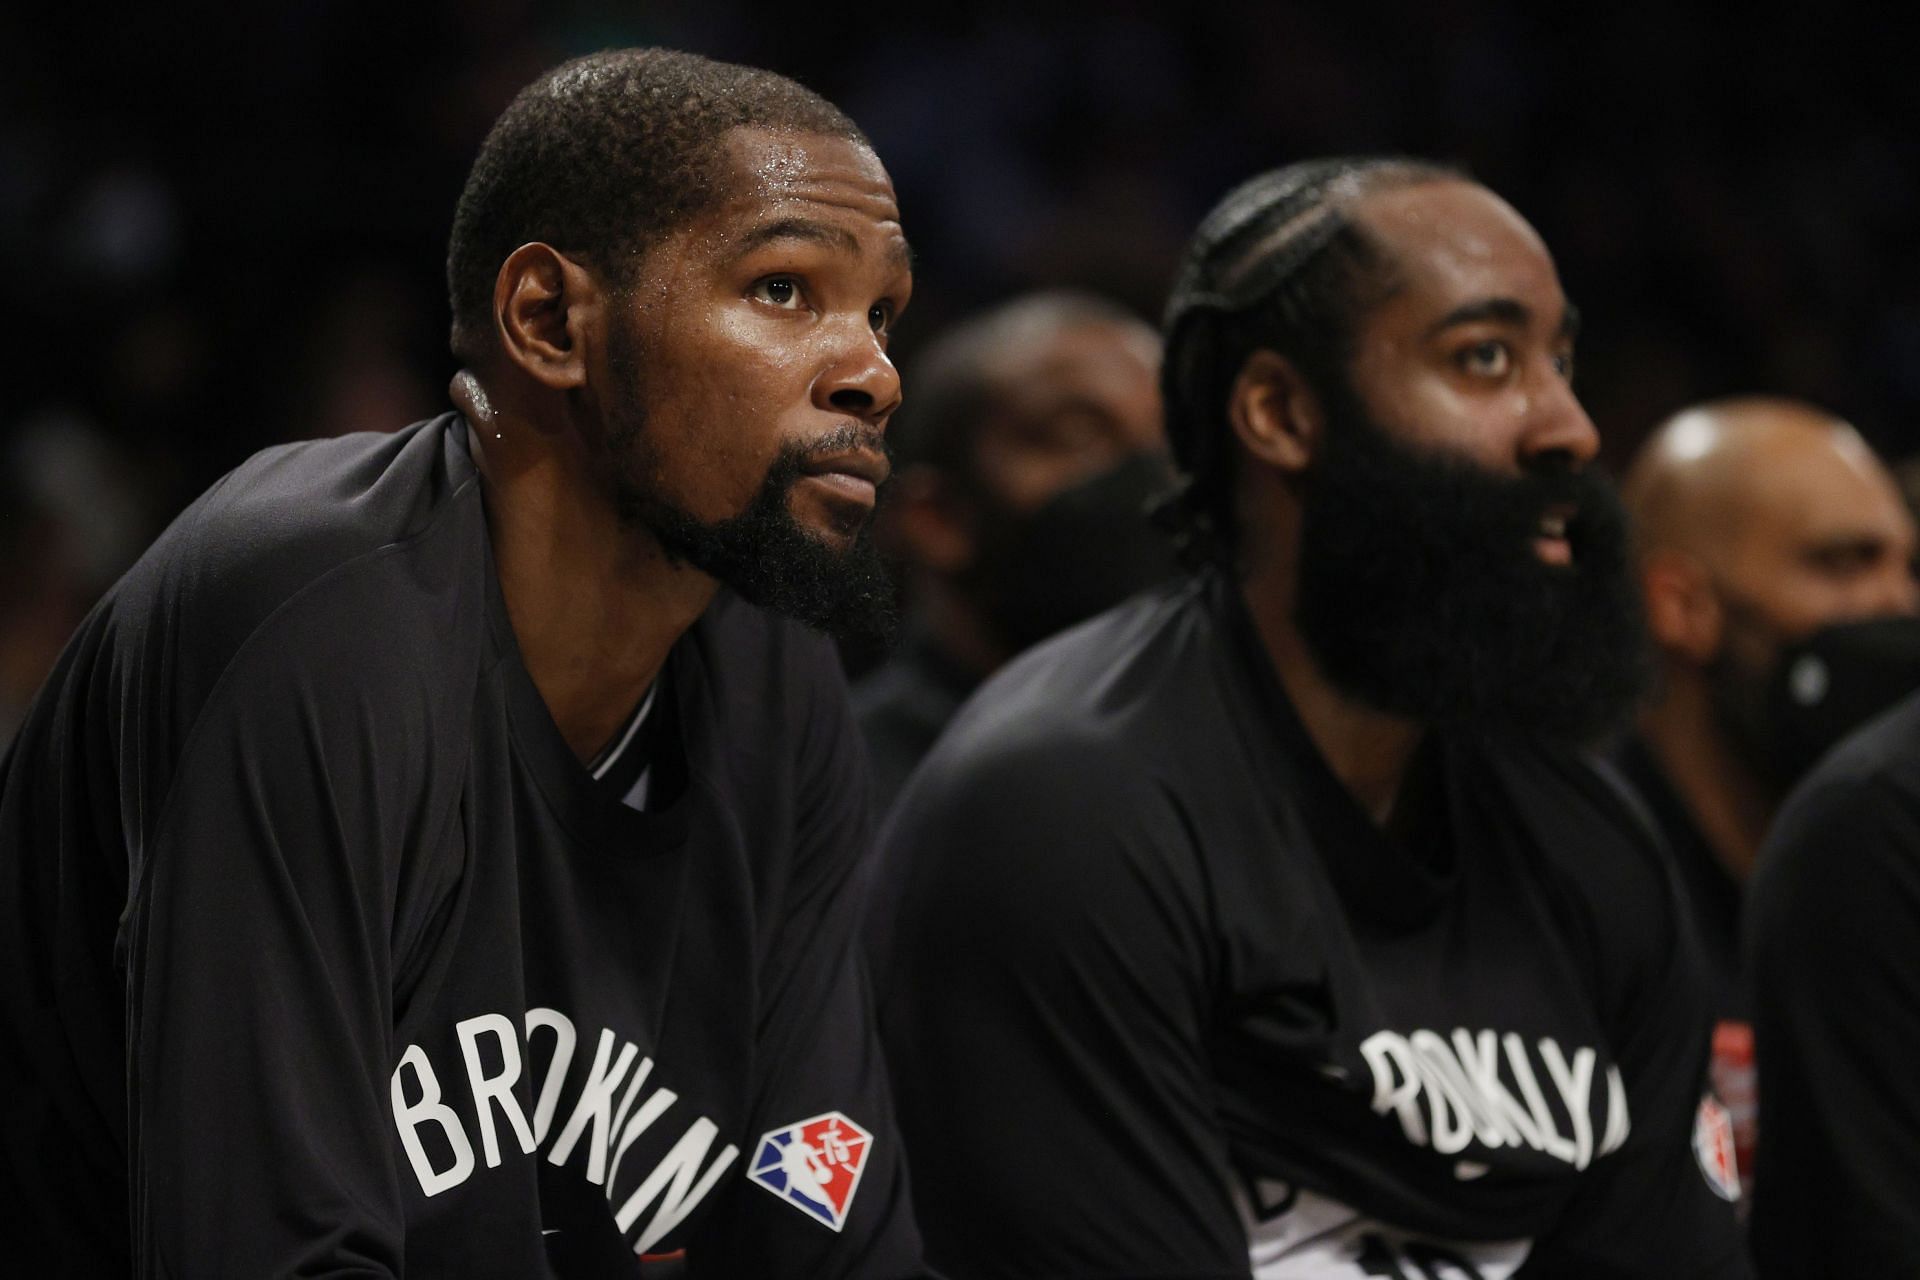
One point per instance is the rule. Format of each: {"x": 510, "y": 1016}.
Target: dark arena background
{"x": 222, "y": 226}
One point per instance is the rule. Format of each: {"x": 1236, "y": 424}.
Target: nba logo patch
{"x": 1713, "y": 1148}
{"x": 814, "y": 1165}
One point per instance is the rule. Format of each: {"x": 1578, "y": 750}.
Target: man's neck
{"x": 594, "y": 602}
{"x": 1367, "y": 750}
{"x": 1731, "y": 807}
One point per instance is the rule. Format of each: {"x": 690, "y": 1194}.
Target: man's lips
{"x": 857, "y": 474}
{"x": 1550, "y": 542}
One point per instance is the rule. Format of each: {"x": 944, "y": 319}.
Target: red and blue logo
{"x": 814, "y": 1165}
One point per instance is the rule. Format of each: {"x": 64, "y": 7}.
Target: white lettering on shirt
{"x": 1447, "y": 1092}
{"x": 409, "y": 1117}
{"x": 672, "y": 1189}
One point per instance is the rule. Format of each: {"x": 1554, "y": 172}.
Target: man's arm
{"x": 822, "y": 1187}
{"x": 257, "y": 946}
{"x": 1652, "y": 1207}
{"x": 1041, "y": 958}
{"x": 1834, "y": 932}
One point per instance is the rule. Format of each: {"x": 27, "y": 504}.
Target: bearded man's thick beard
{"x": 764, "y": 554}
{"x": 1421, "y": 593}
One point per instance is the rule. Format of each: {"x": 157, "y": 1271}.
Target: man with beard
{"x": 1758, "y": 522}
{"x": 434, "y": 857}
{"x": 1024, "y": 466}
{"x": 1273, "y": 922}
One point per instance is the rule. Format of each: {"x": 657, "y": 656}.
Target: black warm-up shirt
{"x": 1834, "y": 935}
{"x": 1161, "y": 1000}
{"x": 324, "y": 955}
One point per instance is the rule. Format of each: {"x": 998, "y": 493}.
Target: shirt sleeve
{"x": 1835, "y": 912}
{"x": 256, "y": 947}
{"x": 824, "y": 1189}
{"x": 1039, "y": 948}
{"x": 1651, "y": 1208}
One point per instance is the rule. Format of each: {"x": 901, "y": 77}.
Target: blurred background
{"x": 222, "y": 226}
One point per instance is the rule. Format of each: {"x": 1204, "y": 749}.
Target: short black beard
{"x": 764, "y": 554}
{"x": 1421, "y": 593}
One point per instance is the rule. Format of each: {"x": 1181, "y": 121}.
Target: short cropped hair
{"x": 601, "y": 156}
{"x": 1278, "y": 265}
{"x": 954, "y": 387}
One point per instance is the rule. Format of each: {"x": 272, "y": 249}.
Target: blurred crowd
{"x": 221, "y": 230}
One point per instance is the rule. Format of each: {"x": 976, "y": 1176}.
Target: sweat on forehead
{"x": 602, "y": 155}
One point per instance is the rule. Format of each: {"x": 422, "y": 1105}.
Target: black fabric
{"x": 901, "y": 706}
{"x": 294, "y": 863}
{"x": 1711, "y": 890}
{"x": 1834, "y": 923}
{"x": 1158, "y": 995}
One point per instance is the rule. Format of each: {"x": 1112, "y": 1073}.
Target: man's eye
{"x": 1563, "y": 365}
{"x": 880, "y": 317}
{"x": 1489, "y": 359}
{"x": 781, "y": 291}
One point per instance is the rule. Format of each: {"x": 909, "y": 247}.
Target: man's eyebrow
{"x": 813, "y": 231}
{"x": 1506, "y": 311}
{"x": 820, "y": 233}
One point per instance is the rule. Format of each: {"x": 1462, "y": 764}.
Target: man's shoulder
{"x": 1859, "y": 806}
{"x": 1094, "y": 706}
{"x": 295, "y": 512}
{"x": 336, "y": 548}
{"x": 1883, "y": 755}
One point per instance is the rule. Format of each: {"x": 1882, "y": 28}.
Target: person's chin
{"x": 834, "y": 525}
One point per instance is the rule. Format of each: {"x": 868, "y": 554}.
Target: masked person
{"x": 1274, "y": 922}
{"x": 438, "y": 854}
{"x": 1760, "y": 523}
{"x": 1025, "y": 463}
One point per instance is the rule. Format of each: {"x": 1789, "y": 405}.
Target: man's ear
{"x": 543, "y": 306}
{"x": 1275, "y": 413}
{"x": 1683, "y": 610}
{"x": 926, "y": 523}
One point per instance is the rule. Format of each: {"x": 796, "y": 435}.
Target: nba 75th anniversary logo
{"x": 814, "y": 1165}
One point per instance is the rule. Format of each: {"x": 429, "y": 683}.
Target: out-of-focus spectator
{"x": 1747, "y": 224}
{"x": 71, "y": 519}
{"x": 1835, "y": 948}
{"x": 1759, "y": 523}
{"x": 1027, "y": 453}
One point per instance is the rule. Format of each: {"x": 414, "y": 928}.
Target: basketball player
{"x": 436, "y": 857}
{"x": 1273, "y": 923}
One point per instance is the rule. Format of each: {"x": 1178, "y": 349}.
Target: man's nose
{"x": 1559, "y": 426}
{"x": 1893, "y": 590}
{"x": 860, "y": 380}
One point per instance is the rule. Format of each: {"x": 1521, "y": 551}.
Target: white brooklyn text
{"x": 1448, "y": 1091}
{"x": 672, "y": 1188}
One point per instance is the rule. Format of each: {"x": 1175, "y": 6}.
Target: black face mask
{"x": 1086, "y": 549}
{"x": 1833, "y": 682}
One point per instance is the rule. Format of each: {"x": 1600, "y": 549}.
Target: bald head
{"x": 1707, "y": 473}
{"x": 1780, "y": 506}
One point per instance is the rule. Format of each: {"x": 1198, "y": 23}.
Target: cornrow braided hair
{"x": 1277, "y": 265}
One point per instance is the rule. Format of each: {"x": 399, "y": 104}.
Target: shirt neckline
{"x": 1375, "y": 875}
{"x": 588, "y": 810}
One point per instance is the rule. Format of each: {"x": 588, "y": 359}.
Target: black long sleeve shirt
{"x": 323, "y": 955}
